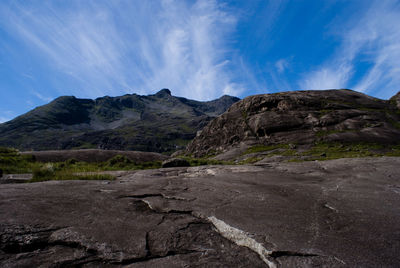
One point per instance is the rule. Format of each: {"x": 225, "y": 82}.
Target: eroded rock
{"x": 339, "y": 213}
{"x": 300, "y": 117}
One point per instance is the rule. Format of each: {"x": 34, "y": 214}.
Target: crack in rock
{"x": 242, "y": 239}
{"x": 140, "y": 196}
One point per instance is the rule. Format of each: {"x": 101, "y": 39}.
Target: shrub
{"x": 119, "y": 161}
{"x": 71, "y": 161}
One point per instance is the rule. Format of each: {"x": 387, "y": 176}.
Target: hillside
{"x": 300, "y": 118}
{"x": 158, "y": 123}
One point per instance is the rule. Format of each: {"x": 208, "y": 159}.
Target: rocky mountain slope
{"x": 301, "y": 117}
{"x": 159, "y": 123}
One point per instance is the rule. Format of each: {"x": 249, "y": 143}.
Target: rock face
{"x": 157, "y": 123}
{"x": 396, "y": 99}
{"x": 300, "y": 117}
{"x": 339, "y": 213}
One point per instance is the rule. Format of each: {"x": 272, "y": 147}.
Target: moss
{"x": 250, "y": 160}
{"x": 204, "y": 161}
{"x": 265, "y": 148}
{"x": 327, "y": 151}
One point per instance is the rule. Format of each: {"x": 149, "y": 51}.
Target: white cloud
{"x": 41, "y": 97}
{"x": 327, "y": 78}
{"x": 114, "y": 47}
{"x": 373, "y": 38}
{"x": 281, "y": 65}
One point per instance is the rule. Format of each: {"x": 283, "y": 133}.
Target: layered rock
{"x": 300, "y": 117}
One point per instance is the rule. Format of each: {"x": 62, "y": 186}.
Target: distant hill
{"x": 157, "y": 123}
{"x": 301, "y": 118}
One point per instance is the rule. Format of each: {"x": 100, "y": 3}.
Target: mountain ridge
{"x": 158, "y": 122}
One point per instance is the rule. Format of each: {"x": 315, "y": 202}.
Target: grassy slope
{"x": 159, "y": 123}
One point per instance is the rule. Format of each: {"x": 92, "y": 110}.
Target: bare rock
{"x": 396, "y": 99}
{"x": 175, "y": 162}
{"x": 300, "y": 117}
{"x": 338, "y": 213}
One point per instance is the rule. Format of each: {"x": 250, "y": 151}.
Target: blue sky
{"x": 198, "y": 49}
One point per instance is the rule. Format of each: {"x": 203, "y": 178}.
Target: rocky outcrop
{"x": 396, "y": 99}
{"x": 339, "y": 213}
{"x": 300, "y": 117}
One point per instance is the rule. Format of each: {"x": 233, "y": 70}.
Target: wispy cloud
{"x": 6, "y": 116}
{"x": 41, "y": 97}
{"x": 113, "y": 47}
{"x": 328, "y": 78}
{"x": 281, "y": 65}
{"x": 372, "y": 38}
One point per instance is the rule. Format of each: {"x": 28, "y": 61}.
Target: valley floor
{"x": 336, "y": 213}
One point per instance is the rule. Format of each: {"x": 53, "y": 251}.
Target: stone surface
{"x": 175, "y": 162}
{"x": 300, "y": 117}
{"x": 338, "y": 213}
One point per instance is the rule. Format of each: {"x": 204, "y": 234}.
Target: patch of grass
{"x": 48, "y": 172}
{"x": 250, "y": 160}
{"x": 265, "y": 148}
{"x": 328, "y": 151}
{"x": 394, "y": 123}
{"x": 204, "y": 161}
{"x": 11, "y": 161}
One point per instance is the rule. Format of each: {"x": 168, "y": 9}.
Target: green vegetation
{"x": 323, "y": 151}
{"x": 48, "y": 172}
{"x": 204, "y": 161}
{"x": 265, "y": 148}
{"x": 11, "y": 161}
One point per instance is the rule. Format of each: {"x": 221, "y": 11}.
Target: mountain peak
{"x": 163, "y": 92}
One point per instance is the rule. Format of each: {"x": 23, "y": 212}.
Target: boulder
{"x": 175, "y": 162}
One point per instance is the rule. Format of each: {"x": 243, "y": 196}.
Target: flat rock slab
{"x": 338, "y": 213}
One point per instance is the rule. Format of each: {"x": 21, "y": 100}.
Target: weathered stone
{"x": 338, "y": 213}
{"x": 300, "y": 117}
{"x": 396, "y": 99}
{"x": 175, "y": 162}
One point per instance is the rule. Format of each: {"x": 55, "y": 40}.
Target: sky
{"x": 199, "y": 49}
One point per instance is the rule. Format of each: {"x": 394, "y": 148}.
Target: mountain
{"x": 159, "y": 123}
{"x": 301, "y": 117}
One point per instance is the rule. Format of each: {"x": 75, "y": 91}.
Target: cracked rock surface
{"x": 338, "y": 213}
